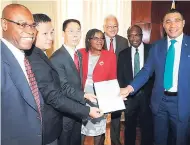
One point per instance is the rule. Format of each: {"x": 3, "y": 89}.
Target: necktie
{"x": 111, "y": 46}
{"x": 168, "y": 73}
{"x": 136, "y": 63}
{"x": 33, "y": 84}
{"x": 76, "y": 60}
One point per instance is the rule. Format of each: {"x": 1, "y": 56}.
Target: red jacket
{"x": 105, "y": 68}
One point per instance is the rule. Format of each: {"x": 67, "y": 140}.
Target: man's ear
{"x": 4, "y": 24}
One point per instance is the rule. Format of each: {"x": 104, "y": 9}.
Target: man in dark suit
{"x": 49, "y": 84}
{"x": 67, "y": 62}
{"x": 130, "y": 61}
{"x": 169, "y": 58}
{"x": 21, "y": 108}
{"x": 114, "y": 43}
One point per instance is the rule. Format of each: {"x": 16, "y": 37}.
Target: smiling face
{"x": 72, "y": 34}
{"x": 111, "y": 27}
{"x": 173, "y": 24}
{"x": 97, "y": 42}
{"x": 22, "y": 38}
{"x": 45, "y": 35}
{"x": 135, "y": 36}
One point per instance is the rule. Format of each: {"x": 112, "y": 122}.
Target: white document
{"x": 107, "y": 93}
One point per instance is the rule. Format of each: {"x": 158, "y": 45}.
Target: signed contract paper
{"x": 107, "y": 93}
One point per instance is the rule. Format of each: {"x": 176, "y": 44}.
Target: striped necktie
{"x": 33, "y": 84}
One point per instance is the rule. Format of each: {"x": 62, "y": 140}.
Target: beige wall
{"x": 90, "y": 13}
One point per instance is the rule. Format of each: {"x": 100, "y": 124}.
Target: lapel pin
{"x": 185, "y": 44}
{"x": 101, "y": 63}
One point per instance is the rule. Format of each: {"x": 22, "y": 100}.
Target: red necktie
{"x": 76, "y": 61}
{"x": 111, "y": 46}
{"x": 33, "y": 84}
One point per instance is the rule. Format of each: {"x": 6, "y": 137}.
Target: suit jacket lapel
{"x": 185, "y": 54}
{"x": 19, "y": 78}
{"x": 117, "y": 44}
{"x": 70, "y": 60}
{"x": 129, "y": 66}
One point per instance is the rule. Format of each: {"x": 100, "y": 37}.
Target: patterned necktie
{"x": 136, "y": 63}
{"x": 111, "y": 46}
{"x": 76, "y": 60}
{"x": 33, "y": 84}
{"x": 168, "y": 73}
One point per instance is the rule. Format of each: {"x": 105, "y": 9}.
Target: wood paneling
{"x": 149, "y": 15}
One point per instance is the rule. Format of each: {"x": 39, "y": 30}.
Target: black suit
{"x": 54, "y": 94}
{"x": 65, "y": 66}
{"x": 121, "y": 44}
{"x": 137, "y": 104}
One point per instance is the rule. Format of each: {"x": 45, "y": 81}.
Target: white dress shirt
{"x": 18, "y": 54}
{"x": 141, "y": 55}
{"x": 177, "y": 46}
{"x": 108, "y": 42}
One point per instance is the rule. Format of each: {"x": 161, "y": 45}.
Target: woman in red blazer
{"x": 98, "y": 65}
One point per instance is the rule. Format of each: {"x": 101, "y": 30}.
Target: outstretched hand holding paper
{"x": 107, "y": 93}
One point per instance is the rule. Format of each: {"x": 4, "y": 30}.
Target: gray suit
{"x": 121, "y": 44}
{"x": 68, "y": 74}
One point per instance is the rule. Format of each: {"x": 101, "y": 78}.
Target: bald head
{"x": 111, "y": 26}
{"x": 13, "y": 8}
{"x": 18, "y": 26}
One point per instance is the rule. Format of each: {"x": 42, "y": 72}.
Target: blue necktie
{"x": 168, "y": 74}
{"x": 136, "y": 63}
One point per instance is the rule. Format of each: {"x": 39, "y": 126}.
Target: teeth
{"x": 30, "y": 39}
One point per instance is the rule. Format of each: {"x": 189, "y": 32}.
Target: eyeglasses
{"x": 134, "y": 35}
{"x": 97, "y": 39}
{"x": 71, "y": 32}
{"x": 111, "y": 27}
{"x": 22, "y": 25}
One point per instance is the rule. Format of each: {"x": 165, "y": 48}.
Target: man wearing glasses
{"x": 21, "y": 103}
{"x": 130, "y": 61}
{"x": 114, "y": 43}
{"x": 67, "y": 62}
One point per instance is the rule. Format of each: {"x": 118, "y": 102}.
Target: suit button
{"x": 39, "y": 135}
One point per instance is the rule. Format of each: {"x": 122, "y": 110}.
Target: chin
{"x": 26, "y": 47}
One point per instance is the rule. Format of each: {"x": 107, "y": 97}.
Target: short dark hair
{"x": 66, "y": 22}
{"x": 173, "y": 11}
{"x": 90, "y": 34}
{"x": 138, "y": 27}
{"x": 41, "y": 18}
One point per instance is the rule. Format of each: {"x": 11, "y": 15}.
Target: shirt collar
{"x": 140, "y": 46}
{"x": 178, "y": 39}
{"x": 13, "y": 49}
{"x": 107, "y": 37}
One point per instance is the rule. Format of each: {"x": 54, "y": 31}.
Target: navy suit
{"x": 21, "y": 124}
{"x": 156, "y": 63}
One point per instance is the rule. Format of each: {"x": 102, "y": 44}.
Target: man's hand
{"x": 95, "y": 112}
{"x": 124, "y": 92}
{"x": 91, "y": 97}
